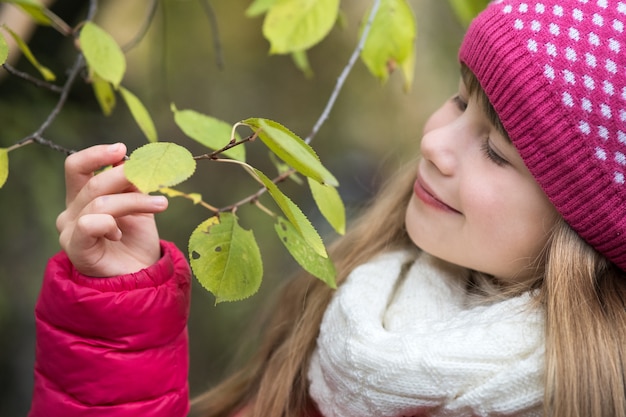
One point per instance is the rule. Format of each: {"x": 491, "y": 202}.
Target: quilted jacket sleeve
{"x": 113, "y": 347}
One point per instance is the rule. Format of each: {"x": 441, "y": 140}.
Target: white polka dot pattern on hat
{"x": 579, "y": 48}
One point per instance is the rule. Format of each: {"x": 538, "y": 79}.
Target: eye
{"x": 460, "y": 103}
{"x": 491, "y": 154}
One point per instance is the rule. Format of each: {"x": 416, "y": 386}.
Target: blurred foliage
{"x": 372, "y": 129}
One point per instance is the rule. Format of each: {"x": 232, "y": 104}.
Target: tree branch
{"x": 144, "y": 29}
{"x": 329, "y": 105}
{"x": 217, "y": 45}
{"x": 39, "y": 83}
{"x": 344, "y": 74}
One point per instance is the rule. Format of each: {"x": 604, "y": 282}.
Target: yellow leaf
{"x": 45, "y": 72}
{"x": 157, "y": 165}
{"x": 103, "y": 54}
{"x": 104, "y": 94}
{"x": 296, "y": 25}
{"x": 140, "y": 114}
{"x": 4, "y": 166}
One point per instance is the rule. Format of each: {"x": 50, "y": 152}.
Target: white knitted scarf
{"x": 394, "y": 344}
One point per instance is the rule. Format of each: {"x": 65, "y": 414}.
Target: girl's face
{"x": 475, "y": 203}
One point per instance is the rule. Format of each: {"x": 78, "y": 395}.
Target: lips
{"x": 425, "y": 193}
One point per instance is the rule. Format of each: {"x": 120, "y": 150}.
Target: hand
{"x": 108, "y": 226}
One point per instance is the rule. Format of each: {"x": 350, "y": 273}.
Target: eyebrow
{"x": 474, "y": 88}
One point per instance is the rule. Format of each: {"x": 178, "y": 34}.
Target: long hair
{"x": 274, "y": 382}
{"x": 583, "y": 294}
{"x": 585, "y": 301}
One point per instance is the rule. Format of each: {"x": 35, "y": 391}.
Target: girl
{"x": 514, "y": 304}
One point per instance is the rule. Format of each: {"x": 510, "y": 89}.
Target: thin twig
{"x": 36, "y": 81}
{"x": 93, "y": 8}
{"x": 76, "y": 68}
{"x": 231, "y": 144}
{"x": 37, "y": 136}
{"x": 217, "y": 45}
{"x": 329, "y": 105}
{"x": 344, "y": 74}
{"x": 144, "y": 28}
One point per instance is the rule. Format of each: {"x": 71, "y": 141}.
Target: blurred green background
{"x": 372, "y": 129}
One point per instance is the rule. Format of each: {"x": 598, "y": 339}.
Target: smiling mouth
{"x": 424, "y": 193}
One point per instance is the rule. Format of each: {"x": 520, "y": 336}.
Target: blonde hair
{"x": 274, "y": 382}
{"x": 583, "y": 294}
{"x": 585, "y": 302}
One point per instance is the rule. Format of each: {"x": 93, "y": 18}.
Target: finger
{"x": 80, "y": 166}
{"x": 120, "y": 205}
{"x": 87, "y": 231}
{"x": 109, "y": 182}
{"x": 92, "y": 227}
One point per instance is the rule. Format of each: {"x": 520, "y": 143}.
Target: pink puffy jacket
{"x": 113, "y": 347}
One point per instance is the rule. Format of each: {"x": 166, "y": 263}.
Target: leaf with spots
{"x": 302, "y": 252}
{"x": 294, "y": 214}
{"x": 225, "y": 258}
{"x": 157, "y": 165}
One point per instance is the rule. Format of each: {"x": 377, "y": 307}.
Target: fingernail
{"x": 159, "y": 201}
{"x": 114, "y": 147}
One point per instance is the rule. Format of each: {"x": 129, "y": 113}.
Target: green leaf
{"x": 291, "y": 149}
{"x": 330, "y": 204}
{"x": 159, "y": 164}
{"x": 302, "y": 252}
{"x": 225, "y": 258}
{"x": 391, "y": 41}
{"x": 282, "y": 168}
{"x": 45, "y": 72}
{"x": 103, "y": 54}
{"x": 140, "y": 114}
{"x": 466, "y": 10}
{"x": 301, "y": 60}
{"x": 209, "y": 131}
{"x": 296, "y": 25}
{"x": 4, "y": 50}
{"x": 104, "y": 94}
{"x": 41, "y": 14}
{"x": 258, "y": 7}
{"x": 4, "y": 166}
{"x": 294, "y": 214}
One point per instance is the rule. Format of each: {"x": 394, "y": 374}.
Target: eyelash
{"x": 485, "y": 148}
{"x": 491, "y": 154}
{"x": 459, "y": 102}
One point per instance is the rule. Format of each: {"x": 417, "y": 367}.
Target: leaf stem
{"x": 264, "y": 209}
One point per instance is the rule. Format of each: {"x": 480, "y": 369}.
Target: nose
{"x": 440, "y": 146}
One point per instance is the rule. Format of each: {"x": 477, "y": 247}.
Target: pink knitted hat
{"x": 555, "y": 72}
